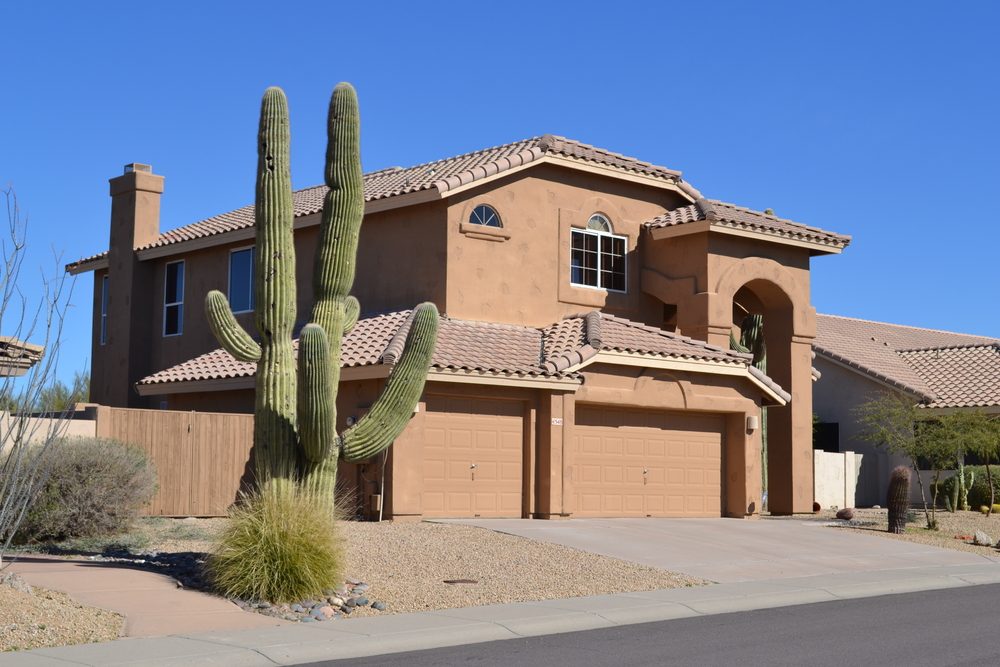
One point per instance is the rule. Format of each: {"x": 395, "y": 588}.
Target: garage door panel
{"x": 460, "y": 432}
{"x": 647, "y": 463}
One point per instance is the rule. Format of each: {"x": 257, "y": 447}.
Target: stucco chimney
{"x": 135, "y": 207}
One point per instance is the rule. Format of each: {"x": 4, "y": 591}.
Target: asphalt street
{"x": 941, "y": 627}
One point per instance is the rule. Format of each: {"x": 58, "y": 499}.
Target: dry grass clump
{"x": 280, "y": 545}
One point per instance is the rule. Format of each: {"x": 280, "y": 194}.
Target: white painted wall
{"x": 835, "y": 478}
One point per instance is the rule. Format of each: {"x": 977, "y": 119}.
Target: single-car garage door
{"x": 646, "y": 463}
{"x": 472, "y": 457}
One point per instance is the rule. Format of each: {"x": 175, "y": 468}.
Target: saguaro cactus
{"x": 898, "y": 500}
{"x": 295, "y": 411}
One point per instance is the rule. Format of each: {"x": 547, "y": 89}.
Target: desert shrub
{"x": 979, "y": 493}
{"x": 95, "y": 487}
{"x": 280, "y": 546}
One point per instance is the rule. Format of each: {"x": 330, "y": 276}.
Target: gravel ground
{"x": 35, "y": 617}
{"x": 407, "y": 563}
{"x": 955, "y": 531}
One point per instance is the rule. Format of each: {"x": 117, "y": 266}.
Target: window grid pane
{"x": 584, "y": 259}
{"x": 173, "y": 299}
{"x": 241, "y": 296}
{"x": 598, "y": 260}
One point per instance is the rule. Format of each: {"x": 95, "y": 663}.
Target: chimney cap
{"x": 138, "y": 166}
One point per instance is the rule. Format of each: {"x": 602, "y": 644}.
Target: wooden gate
{"x": 200, "y": 457}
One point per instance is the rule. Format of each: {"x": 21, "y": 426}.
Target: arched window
{"x": 598, "y": 257}
{"x": 599, "y": 223}
{"x": 486, "y": 216}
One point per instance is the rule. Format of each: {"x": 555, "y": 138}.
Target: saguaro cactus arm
{"x": 317, "y": 398}
{"x": 343, "y": 210}
{"x": 231, "y": 336}
{"x": 394, "y": 407}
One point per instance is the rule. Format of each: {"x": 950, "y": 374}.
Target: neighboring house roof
{"x": 959, "y": 377}
{"x": 720, "y": 214}
{"x": 499, "y": 350}
{"x": 941, "y": 368}
{"x": 441, "y": 175}
{"x": 17, "y": 356}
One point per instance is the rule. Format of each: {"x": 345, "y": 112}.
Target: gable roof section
{"x": 941, "y": 368}
{"x": 483, "y": 348}
{"x": 440, "y": 176}
{"x": 723, "y": 216}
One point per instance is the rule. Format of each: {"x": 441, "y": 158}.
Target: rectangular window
{"x": 173, "y": 299}
{"x": 598, "y": 260}
{"x": 241, "y": 265}
{"x": 104, "y": 310}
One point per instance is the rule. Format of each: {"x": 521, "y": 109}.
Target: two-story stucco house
{"x": 583, "y": 366}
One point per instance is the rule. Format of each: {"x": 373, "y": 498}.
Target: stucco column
{"x": 405, "y": 473}
{"x": 555, "y": 418}
{"x": 790, "y": 459}
{"x": 741, "y": 467}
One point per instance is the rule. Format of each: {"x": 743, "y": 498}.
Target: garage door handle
{"x": 473, "y": 466}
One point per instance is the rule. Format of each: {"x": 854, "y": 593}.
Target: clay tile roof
{"x": 17, "y": 356}
{"x": 959, "y": 377}
{"x": 484, "y": 347}
{"x": 729, "y": 215}
{"x": 442, "y": 175}
{"x": 904, "y": 357}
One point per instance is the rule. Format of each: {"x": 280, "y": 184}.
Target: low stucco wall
{"x": 836, "y": 478}
{"x": 38, "y": 429}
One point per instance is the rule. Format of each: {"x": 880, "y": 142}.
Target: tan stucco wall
{"x": 524, "y": 278}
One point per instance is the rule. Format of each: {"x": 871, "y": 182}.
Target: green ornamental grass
{"x": 280, "y": 546}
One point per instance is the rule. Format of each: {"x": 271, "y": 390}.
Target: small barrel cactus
{"x": 898, "y": 500}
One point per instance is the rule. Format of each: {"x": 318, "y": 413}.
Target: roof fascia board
{"x": 869, "y": 375}
{"x": 702, "y": 226}
{"x": 469, "y": 377}
{"x": 85, "y": 267}
{"x": 671, "y": 364}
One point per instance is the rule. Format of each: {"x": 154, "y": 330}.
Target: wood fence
{"x": 201, "y": 458}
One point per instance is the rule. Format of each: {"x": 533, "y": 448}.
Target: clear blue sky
{"x": 877, "y": 120}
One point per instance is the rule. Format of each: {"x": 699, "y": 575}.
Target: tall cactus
{"x": 295, "y": 411}
{"x": 752, "y": 342}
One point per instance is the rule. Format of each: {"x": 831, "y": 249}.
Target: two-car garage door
{"x": 638, "y": 463}
{"x": 622, "y": 462}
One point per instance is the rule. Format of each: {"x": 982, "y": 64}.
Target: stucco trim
{"x": 230, "y": 384}
{"x": 473, "y": 377}
{"x": 687, "y": 365}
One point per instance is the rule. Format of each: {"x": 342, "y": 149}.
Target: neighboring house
{"x": 583, "y": 365}
{"x": 942, "y": 371}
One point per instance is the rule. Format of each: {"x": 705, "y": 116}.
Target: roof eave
{"x": 77, "y": 268}
{"x": 708, "y": 226}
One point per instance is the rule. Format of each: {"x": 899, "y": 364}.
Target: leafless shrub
{"x": 37, "y": 320}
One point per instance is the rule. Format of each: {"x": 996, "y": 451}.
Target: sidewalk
{"x": 294, "y": 643}
{"x": 152, "y": 603}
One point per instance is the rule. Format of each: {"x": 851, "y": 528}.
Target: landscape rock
{"x": 982, "y": 539}
{"x": 378, "y": 606}
{"x": 327, "y": 611}
{"x": 846, "y": 514}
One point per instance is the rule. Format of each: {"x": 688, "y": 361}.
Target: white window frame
{"x": 229, "y": 284}
{"x": 472, "y": 217}
{"x": 179, "y": 304}
{"x": 104, "y": 310}
{"x": 593, "y": 232}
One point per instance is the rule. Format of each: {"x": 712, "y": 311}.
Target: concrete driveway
{"x": 735, "y": 550}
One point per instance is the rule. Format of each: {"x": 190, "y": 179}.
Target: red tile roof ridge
{"x": 394, "y": 348}
{"x": 945, "y": 348}
{"x": 904, "y": 326}
{"x": 675, "y": 336}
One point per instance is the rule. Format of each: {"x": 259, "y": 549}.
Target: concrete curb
{"x": 450, "y": 627}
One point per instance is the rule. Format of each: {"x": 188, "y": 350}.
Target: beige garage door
{"x": 646, "y": 463}
{"x": 472, "y": 457}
